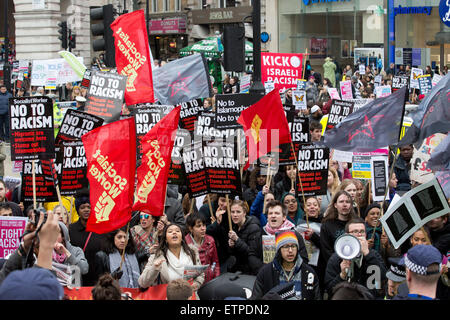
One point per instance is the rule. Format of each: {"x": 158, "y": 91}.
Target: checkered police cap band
{"x": 397, "y": 271}
{"x": 418, "y": 269}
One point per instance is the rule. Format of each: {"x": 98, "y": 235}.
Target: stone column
{"x": 37, "y": 30}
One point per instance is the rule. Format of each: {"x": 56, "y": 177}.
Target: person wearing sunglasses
{"x": 145, "y": 234}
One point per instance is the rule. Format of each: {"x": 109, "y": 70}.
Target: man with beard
{"x": 402, "y": 168}
{"x": 90, "y": 242}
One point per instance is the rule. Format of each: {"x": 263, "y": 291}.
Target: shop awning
{"x": 210, "y": 48}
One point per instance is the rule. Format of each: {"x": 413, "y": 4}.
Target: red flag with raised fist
{"x": 265, "y": 126}
{"x": 152, "y": 174}
{"x": 111, "y": 157}
{"x": 133, "y": 56}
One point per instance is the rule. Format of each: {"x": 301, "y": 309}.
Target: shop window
{"x": 177, "y": 5}
{"x": 227, "y": 3}
{"x": 154, "y": 5}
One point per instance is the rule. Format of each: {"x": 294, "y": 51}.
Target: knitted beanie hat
{"x": 284, "y": 238}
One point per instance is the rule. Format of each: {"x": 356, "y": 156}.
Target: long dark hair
{"x": 109, "y": 246}
{"x": 332, "y": 213}
{"x": 163, "y": 247}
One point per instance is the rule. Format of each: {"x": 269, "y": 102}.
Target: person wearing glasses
{"x": 369, "y": 269}
{"x": 287, "y": 267}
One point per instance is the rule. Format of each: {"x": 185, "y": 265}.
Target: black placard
{"x": 379, "y": 178}
{"x": 74, "y": 167}
{"x": 339, "y": 110}
{"x": 106, "y": 95}
{"x": 222, "y": 167}
{"x": 313, "y": 168}
{"x": 399, "y": 82}
{"x": 31, "y": 125}
{"x": 230, "y": 106}
{"x": 189, "y": 113}
{"x": 195, "y": 172}
{"x": 45, "y": 189}
{"x": 75, "y": 124}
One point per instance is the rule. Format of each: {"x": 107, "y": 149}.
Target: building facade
{"x": 346, "y": 30}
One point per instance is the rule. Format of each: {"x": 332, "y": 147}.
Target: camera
{"x": 37, "y": 214}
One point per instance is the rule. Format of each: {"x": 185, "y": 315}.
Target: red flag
{"x": 265, "y": 126}
{"x": 133, "y": 56}
{"x": 152, "y": 174}
{"x": 111, "y": 157}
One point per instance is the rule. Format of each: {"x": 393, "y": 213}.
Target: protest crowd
{"x": 133, "y": 216}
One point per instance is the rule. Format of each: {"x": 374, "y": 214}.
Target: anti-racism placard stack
{"x": 70, "y": 150}
{"x": 32, "y": 138}
{"x": 299, "y": 128}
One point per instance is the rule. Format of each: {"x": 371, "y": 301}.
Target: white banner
{"x": 41, "y": 69}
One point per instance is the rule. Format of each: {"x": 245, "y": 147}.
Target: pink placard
{"x": 11, "y": 228}
{"x": 346, "y": 90}
{"x": 171, "y": 25}
{"x": 334, "y": 94}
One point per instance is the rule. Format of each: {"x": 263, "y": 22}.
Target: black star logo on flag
{"x": 366, "y": 128}
{"x": 179, "y": 84}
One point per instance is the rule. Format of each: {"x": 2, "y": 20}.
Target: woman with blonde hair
{"x": 76, "y": 91}
{"x": 244, "y": 239}
{"x": 332, "y": 186}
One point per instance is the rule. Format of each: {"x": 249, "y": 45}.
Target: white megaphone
{"x": 348, "y": 247}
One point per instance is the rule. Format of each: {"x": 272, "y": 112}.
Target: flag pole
{"x": 300, "y": 180}
{"x": 126, "y": 243}
{"x": 268, "y": 181}
{"x": 391, "y": 172}
{"x": 210, "y": 208}
{"x": 229, "y": 212}
{"x": 33, "y": 173}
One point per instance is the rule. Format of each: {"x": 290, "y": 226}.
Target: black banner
{"x": 31, "y": 125}
{"x": 313, "y": 168}
{"x": 106, "y": 95}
